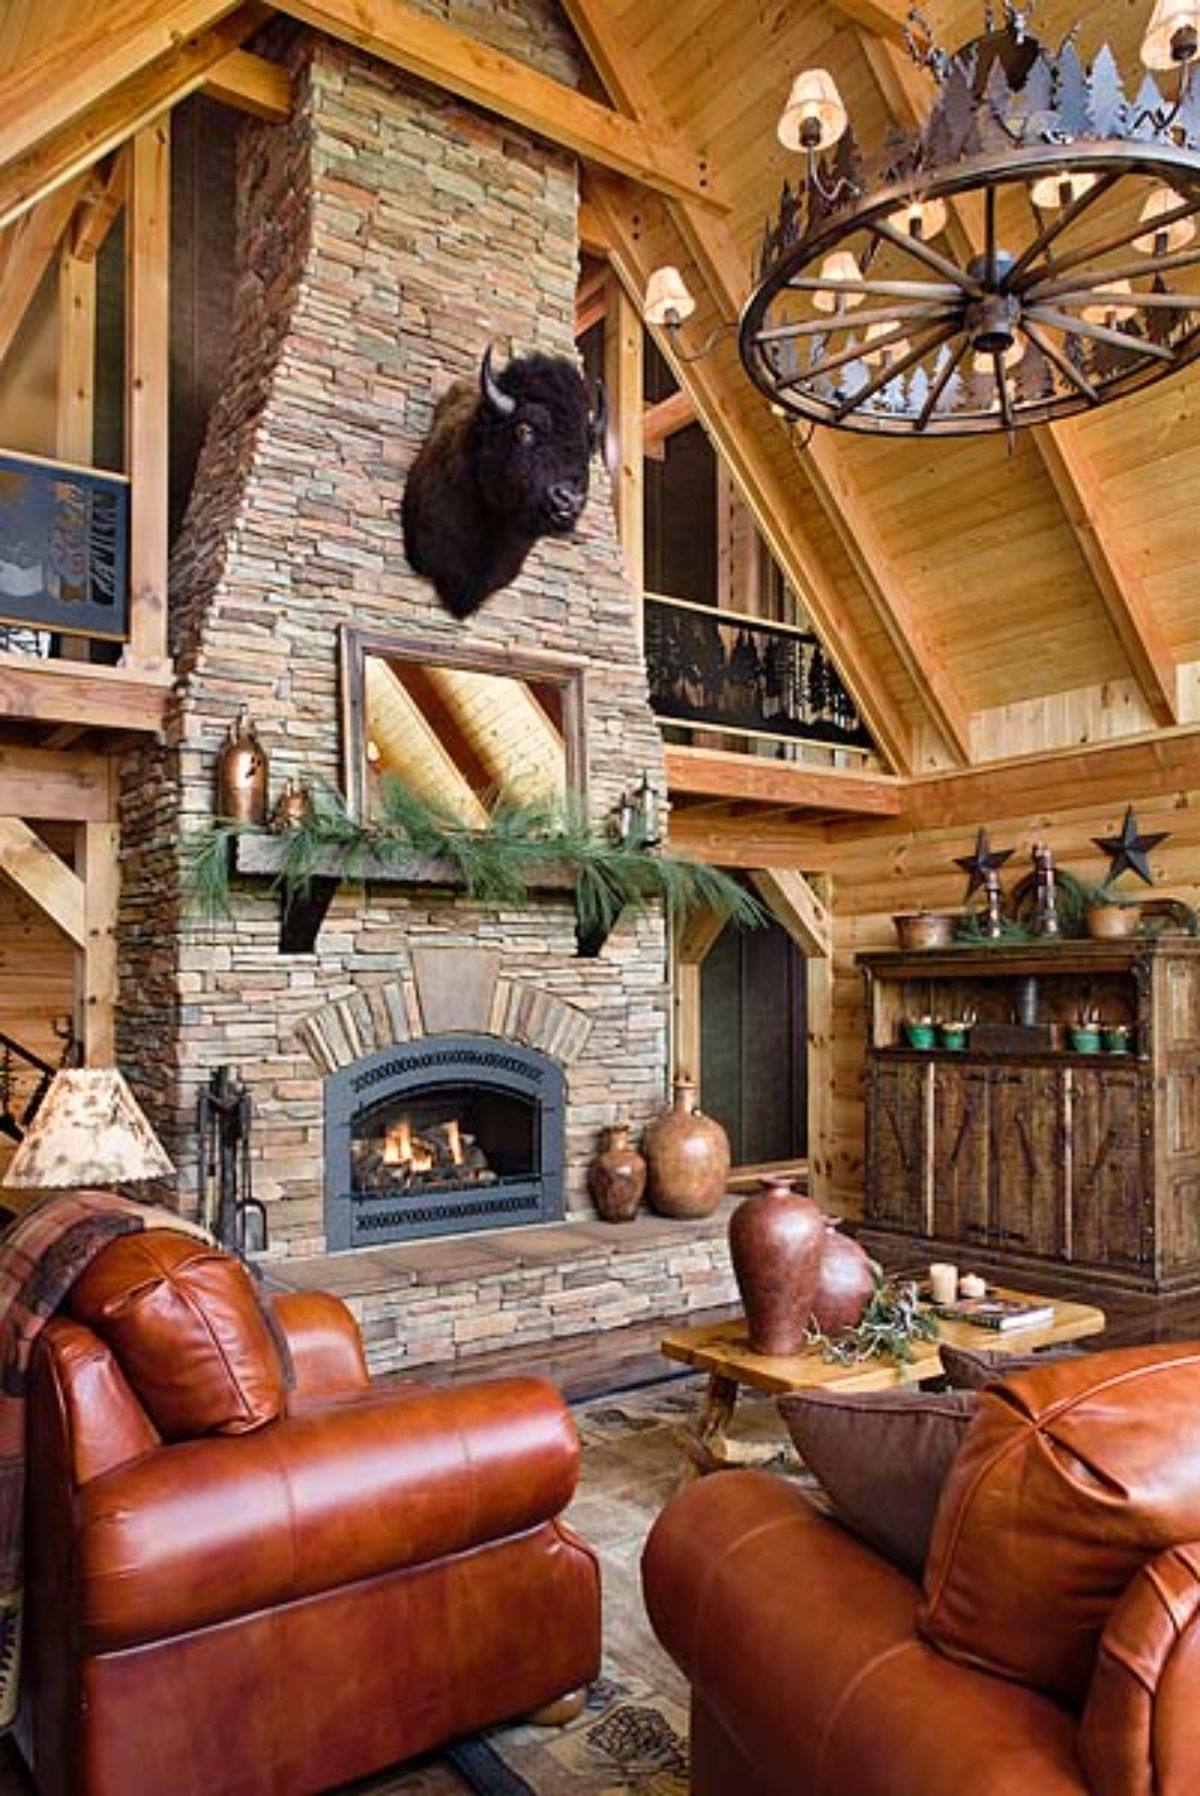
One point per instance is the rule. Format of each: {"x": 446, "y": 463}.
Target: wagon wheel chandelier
{"x": 1030, "y": 252}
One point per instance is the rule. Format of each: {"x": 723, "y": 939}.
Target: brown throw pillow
{"x": 187, "y": 1330}
{"x": 882, "y": 1458}
{"x": 1071, "y": 1477}
{"x": 974, "y": 1368}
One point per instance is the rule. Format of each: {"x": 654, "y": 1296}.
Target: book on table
{"x": 997, "y": 1313}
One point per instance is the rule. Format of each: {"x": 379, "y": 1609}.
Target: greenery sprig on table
{"x": 496, "y": 865}
{"x": 893, "y": 1320}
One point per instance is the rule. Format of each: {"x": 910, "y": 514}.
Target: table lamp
{"x": 89, "y": 1130}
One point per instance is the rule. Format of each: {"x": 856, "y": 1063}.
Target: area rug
{"x": 631, "y": 1739}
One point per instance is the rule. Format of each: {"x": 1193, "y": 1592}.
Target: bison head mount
{"x": 505, "y": 461}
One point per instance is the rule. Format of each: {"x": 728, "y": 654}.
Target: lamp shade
{"x": 815, "y": 115}
{"x": 1159, "y": 201}
{"x": 1109, "y": 311}
{"x": 840, "y": 266}
{"x": 89, "y": 1130}
{"x": 666, "y": 293}
{"x": 875, "y": 356}
{"x": 1173, "y": 24}
{"x": 923, "y": 219}
{"x": 1052, "y": 191}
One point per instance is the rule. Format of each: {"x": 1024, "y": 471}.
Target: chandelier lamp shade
{"x": 1027, "y": 253}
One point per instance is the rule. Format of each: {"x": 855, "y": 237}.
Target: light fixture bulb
{"x": 889, "y": 351}
{"x": 1050, "y": 192}
{"x": 1172, "y": 36}
{"x": 1109, "y": 313}
{"x": 840, "y": 266}
{"x": 1161, "y": 242}
{"x": 667, "y": 301}
{"x": 923, "y": 219}
{"x": 815, "y": 116}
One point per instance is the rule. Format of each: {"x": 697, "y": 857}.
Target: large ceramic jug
{"x": 687, "y": 1158}
{"x": 845, "y": 1282}
{"x": 617, "y": 1177}
{"x": 776, "y": 1240}
{"x": 242, "y": 774}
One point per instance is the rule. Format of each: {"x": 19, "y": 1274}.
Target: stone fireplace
{"x": 386, "y": 235}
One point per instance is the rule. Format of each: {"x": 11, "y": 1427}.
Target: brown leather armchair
{"x": 1054, "y": 1649}
{"x": 245, "y": 1584}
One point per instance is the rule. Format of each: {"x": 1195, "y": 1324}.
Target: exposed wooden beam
{"x": 43, "y": 876}
{"x": 251, "y": 84}
{"x": 97, "y": 853}
{"x": 731, "y": 414}
{"x": 30, "y": 254}
{"x": 907, "y": 94}
{"x": 109, "y": 698}
{"x": 690, "y": 945}
{"x": 624, "y": 453}
{"x": 396, "y": 32}
{"x": 147, "y": 360}
{"x": 661, "y": 421}
{"x": 591, "y": 298}
{"x": 886, "y": 18}
{"x": 76, "y": 357}
{"x": 794, "y": 903}
{"x": 822, "y": 1128}
{"x": 745, "y": 844}
{"x": 97, "y": 212}
{"x": 717, "y": 774}
{"x": 72, "y": 145}
{"x": 592, "y": 237}
{"x": 71, "y": 787}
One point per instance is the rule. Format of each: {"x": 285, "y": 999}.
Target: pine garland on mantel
{"x": 496, "y": 865}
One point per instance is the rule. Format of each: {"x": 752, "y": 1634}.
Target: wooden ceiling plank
{"x": 251, "y": 84}
{"x": 43, "y": 876}
{"x": 30, "y": 255}
{"x": 717, "y": 253}
{"x": 885, "y": 18}
{"x": 118, "y": 113}
{"x": 395, "y": 32}
{"x": 115, "y": 42}
{"x": 1118, "y": 582}
{"x": 716, "y": 773}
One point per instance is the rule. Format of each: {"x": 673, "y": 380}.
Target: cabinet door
{"x": 897, "y": 1144}
{"x": 960, "y": 1152}
{"x": 1110, "y": 1168}
{"x": 1027, "y": 1182}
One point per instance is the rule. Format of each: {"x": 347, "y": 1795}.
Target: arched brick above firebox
{"x": 448, "y": 990}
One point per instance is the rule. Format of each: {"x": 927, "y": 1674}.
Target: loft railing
{"x": 64, "y": 553}
{"x": 723, "y": 670}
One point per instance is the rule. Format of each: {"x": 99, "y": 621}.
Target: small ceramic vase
{"x": 617, "y": 1177}
{"x": 687, "y": 1158}
{"x": 845, "y": 1282}
{"x": 776, "y": 1242}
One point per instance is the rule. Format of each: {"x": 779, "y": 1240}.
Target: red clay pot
{"x": 845, "y": 1282}
{"x": 776, "y": 1240}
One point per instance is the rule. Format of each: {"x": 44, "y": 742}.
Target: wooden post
{"x": 76, "y": 357}
{"x": 623, "y": 384}
{"x": 97, "y": 850}
{"x": 689, "y": 947}
{"x": 820, "y": 1060}
{"x": 147, "y": 335}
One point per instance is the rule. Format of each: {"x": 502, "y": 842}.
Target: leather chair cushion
{"x": 1069, "y": 1479}
{"x": 206, "y": 1530}
{"x": 185, "y": 1325}
{"x": 974, "y": 1368}
{"x": 881, "y": 1458}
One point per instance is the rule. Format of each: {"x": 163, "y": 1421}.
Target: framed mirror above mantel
{"x": 466, "y": 729}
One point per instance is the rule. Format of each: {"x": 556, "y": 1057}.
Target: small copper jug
{"x": 242, "y": 774}
{"x": 293, "y": 807}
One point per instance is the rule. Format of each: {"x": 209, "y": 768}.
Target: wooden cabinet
{"x": 1036, "y": 1155}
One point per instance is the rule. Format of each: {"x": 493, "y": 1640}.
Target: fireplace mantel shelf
{"x": 301, "y": 916}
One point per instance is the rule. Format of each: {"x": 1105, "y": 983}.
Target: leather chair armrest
{"x": 1140, "y": 1734}
{"x": 196, "y": 1533}
{"x": 324, "y": 1346}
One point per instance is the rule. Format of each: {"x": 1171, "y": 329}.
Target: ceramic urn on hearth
{"x": 687, "y": 1158}
{"x": 776, "y": 1240}
{"x": 617, "y": 1177}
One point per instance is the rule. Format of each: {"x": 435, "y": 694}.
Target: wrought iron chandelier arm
{"x": 1104, "y": 277}
{"x": 1002, "y": 392}
{"x": 856, "y": 352}
{"x": 901, "y": 366}
{"x": 1104, "y": 246}
{"x": 1049, "y": 233}
{"x": 1099, "y": 333}
{"x": 841, "y": 321}
{"x": 807, "y": 283}
{"x": 1165, "y": 302}
{"x": 943, "y": 381}
{"x": 1053, "y": 354}
{"x": 921, "y": 252}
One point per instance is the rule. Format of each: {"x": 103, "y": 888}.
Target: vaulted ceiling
{"x": 982, "y": 603}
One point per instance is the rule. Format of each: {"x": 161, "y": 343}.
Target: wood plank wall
{"x": 881, "y": 874}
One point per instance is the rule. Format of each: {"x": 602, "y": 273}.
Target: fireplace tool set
{"x": 228, "y": 1206}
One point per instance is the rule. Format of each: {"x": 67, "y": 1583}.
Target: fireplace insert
{"x": 440, "y": 1136}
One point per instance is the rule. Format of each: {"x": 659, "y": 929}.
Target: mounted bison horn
{"x": 501, "y": 402}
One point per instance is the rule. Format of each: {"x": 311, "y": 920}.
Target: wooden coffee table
{"x": 721, "y": 1349}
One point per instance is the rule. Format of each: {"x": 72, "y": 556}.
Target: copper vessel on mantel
{"x": 617, "y": 1177}
{"x": 687, "y": 1158}
{"x": 242, "y": 774}
{"x": 845, "y": 1282}
{"x": 776, "y": 1240}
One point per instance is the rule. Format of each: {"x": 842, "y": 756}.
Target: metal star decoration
{"x": 1129, "y": 849}
{"x": 985, "y": 860}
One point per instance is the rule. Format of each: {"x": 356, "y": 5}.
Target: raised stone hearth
{"x": 387, "y": 233}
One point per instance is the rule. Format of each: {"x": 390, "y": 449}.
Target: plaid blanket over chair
{"x": 41, "y": 1255}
